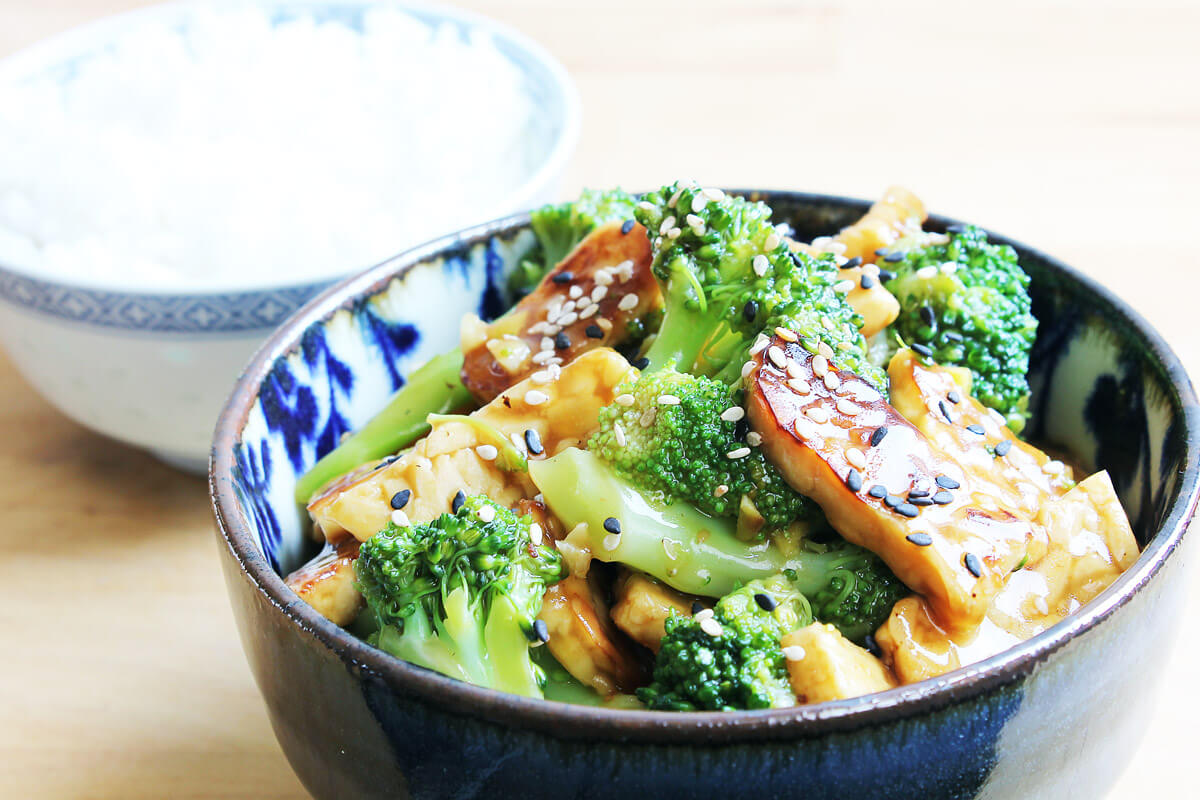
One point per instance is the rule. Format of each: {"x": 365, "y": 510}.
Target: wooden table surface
{"x": 1073, "y": 126}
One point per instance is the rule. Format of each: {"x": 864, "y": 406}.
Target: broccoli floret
{"x": 727, "y": 275}
{"x": 559, "y": 227}
{"x": 846, "y": 585}
{"x": 680, "y": 451}
{"x": 460, "y": 594}
{"x": 733, "y": 660}
{"x": 975, "y": 314}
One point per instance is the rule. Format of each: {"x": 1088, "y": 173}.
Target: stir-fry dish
{"x": 701, "y": 465}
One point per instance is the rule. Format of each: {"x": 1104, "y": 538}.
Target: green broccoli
{"x": 681, "y": 450}
{"x": 727, "y": 276}
{"x": 460, "y": 594}
{"x": 846, "y": 585}
{"x": 968, "y": 301}
{"x": 729, "y": 658}
{"x": 559, "y": 227}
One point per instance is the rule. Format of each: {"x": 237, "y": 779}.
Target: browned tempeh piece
{"x": 604, "y": 269}
{"x": 938, "y": 528}
{"x": 327, "y": 582}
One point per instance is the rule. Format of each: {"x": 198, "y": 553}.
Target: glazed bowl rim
{"x": 597, "y": 723}
{"x": 60, "y": 47}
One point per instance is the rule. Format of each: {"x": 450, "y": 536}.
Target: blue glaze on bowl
{"x": 1055, "y": 716}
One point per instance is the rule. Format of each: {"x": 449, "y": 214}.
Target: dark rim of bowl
{"x": 579, "y": 721}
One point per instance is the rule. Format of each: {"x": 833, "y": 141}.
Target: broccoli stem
{"x": 684, "y": 329}
{"x": 675, "y": 543}
{"x": 435, "y": 388}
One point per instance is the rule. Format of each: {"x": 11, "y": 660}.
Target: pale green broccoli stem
{"x": 435, "y": 388}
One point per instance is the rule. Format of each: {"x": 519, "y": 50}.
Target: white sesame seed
{"x": 1040, "y": 604}
{"x": 827, "y": 323}
{"x": 486, "y": 513}
{"x": 754, "y": 438}
{"x": 716, "y": 195}
{"x": 546, "y": 344}
{"x": 570, "y": 318}
{"x": 794, "y": 370}
{"x": 711, "y": 627}
{"x": 648, "y": 416}
{"x": 605, "y": 324}
{"x": 538, "y": 327}
{"x": 619, "y": 434}
{"x": 794, "y": 652}
{"x": 487, "y": 452}
{"x": 1053, "y": 467}
{"x": 666, "y": 225}
{"x": 703, "y": 614}
{"x": 846, "y": 407}
{"x": 856, "y": 458}
{"x": 589, "y": 312}
{"x": 517, "y": 440}
{"x": 802, "y": 429}
{"x": 575, "y": 291}
{"x": 625, "y": 400}
{"x": 831, "y": 380}
{"x": 925, "y": 273}
{"x": 824, "y": 349}
{"x": 668, "y": 400}
{"x": 747, "y": 368}
{"x": 799, "y": 386}
{"x": 646, "y": 205}
{"x": 541, "y": 376}
{"x": 820, "y": 365}
{"x": 674, "y": 233}
{"x": 870, "y": 269}
{"x": 772, "y": 241}
{"x": 699, "y": 202}
{"x": 535, "y": 533}
{"x": 761, "y": 343}
{"x": 603, "y": 277}
{"x": 843, "y": 286}
{"x": 400, "y": 518}
{"x": 777, "y": 357}
{"x": 611, "y": 541}
{"x": 552, "y": 329}
{"x": 542, "y": 356}
{"x": 787, "y": 335}
{"x": 817, "y": 414}
{"x": 628, "y": 302}
{"x": 760, "y": 264}
{"x": 599, "y": 293}
{"x": 843, "y": 346}
{"x": 668, "y": 546}
{"x": 740, "y": 452}
{"x": 822, "y": 242}
{"x": 693, "y": 221}
{"x": 733, "y": 413}
{"x": 624, "y": 270}
{"x": 949, "y": 268}
{"x": 535, "y": 398}
{"x": 674, "y": 198}
{"x": 721, "y": 491}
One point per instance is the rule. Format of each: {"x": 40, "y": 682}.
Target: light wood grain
{"x": 1073, "y": 126}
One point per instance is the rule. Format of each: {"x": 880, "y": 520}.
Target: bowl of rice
{"x": 175, "y": 181}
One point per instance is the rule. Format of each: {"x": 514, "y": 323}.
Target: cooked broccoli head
{"x": 460, "y": 594}
{"x": 676, "y": 438}
{"x": 559, "y": 227}
{"x": 727, "y": 275}
{"x": 846, "y": 585}
{"x": 968, "y": 301}
{"x": 729, "y": 658}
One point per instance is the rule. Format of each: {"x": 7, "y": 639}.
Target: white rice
{"x": 239, "y": 152}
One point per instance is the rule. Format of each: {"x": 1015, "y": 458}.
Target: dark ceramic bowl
{"x": 1056, "y": 716}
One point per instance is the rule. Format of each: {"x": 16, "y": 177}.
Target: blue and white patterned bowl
{"x": 1056, "y": 716}
{"x": 152, "y": 368}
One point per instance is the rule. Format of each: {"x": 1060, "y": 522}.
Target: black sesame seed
{"x": 852, "y": 263}
{"x": 873, "y": 646}
{"x": 971, "y": 562}
{"x": 878, "y": 491}
{"x": 594, "y": 332}
{"x": 540, "y": 631}
{"x": 945, "y": 411}
{"x": 891, "y": 501}
{"x": 977, "y": 429}
{"x": 641, "y": 363}
{"x": 765, "y": 601}
{"x": 946, "y": 482}
{"x": 918, "y": 491}
{"x": 886, "y": 275}
{"x": 400, "y": 498}
{"x": 1002, "y": 447}
{"x": 561, "y": 341}
{"x": 750, "y": 310}
{"x": 923, "y": 349}
{"x": 387, "y": 461}
{"x": 882, "y": 251}
{"x": 867, "y": 282}
{"x": 892, "y": 258}
{"x": 920, "y": 539}
{"x": 458, "y": 501}
{"x": 854, "y": 480}
{"x": 942, "y": 497}
{"x": 563, "y": 277}
{"x": 612, "y": 525}
{"x": 954, "y": 397}
{"x": 952, "y": 336}
{"x": 533, "y": 442}
{"x": 920, "y": 501}
{"x": 877, "y": 435}
{"x": 697, "y": 607}
{"x": 740, "y": 429}
{"x": 627, "y": 225}
{"x": 907, "y": 510}
{"x": 956, "y": 228}
{"x": 927, "y": 316}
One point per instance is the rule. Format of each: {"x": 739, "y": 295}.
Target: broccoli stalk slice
{"x": 435, "y": 388}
